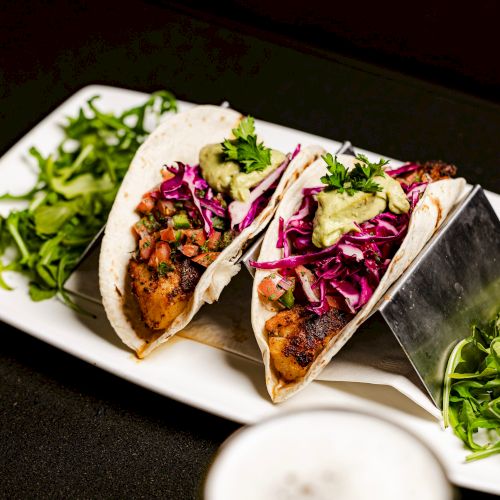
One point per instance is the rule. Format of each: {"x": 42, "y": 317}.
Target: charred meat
{"x": 430, "y": 171}
{"x": 173, "y": 250}
{"x": 321, "y": 293}
{"x": 297, "y": 336}
{"x": 163, "y": 296}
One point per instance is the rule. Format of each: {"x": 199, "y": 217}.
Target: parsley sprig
{"x": 163, "y": 269}
{"x": 245, "y": 149}
{"x": 360, "y": 178}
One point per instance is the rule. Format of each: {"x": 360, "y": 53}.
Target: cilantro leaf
{"x": 338, "y": 173}
{"x": 360, "y": 178}
{"x": 245, "y": 150}
{"x": 254, "y": 156}
{"x": 230, "y": 149}
{"x": 366, "y": 169}
{"x": 163, "y": 269}
{"x": 245, "y": 129}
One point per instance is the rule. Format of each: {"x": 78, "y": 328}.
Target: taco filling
{"x": 335, "y": 249}
{"x": 194, "y": 214}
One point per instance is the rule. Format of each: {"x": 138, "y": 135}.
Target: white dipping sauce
{"x": 325, "y": 454}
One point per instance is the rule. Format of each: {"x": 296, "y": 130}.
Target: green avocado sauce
{"x": 227, "y": 177}
{"x": 337, "y": 212}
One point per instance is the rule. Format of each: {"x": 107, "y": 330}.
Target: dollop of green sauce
{"x": 337, "y": 212}
{"x": 227, "y": 177}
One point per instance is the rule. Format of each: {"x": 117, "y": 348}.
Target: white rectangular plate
{"x": 198, "y": 375}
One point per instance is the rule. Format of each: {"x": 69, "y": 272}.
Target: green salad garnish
{"x": 245, "y": 149}
{"x": 471, "y": 399}
{"x": 73, "y": 194}
{"x": 360, "y": 178}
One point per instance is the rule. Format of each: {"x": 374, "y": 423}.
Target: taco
{"x": 199, "y": 188}
{"x": 342, "y": 235}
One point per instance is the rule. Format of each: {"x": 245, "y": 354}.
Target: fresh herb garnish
{"x": 150, "y": 223}
{"x": 73, "y": 194}
{"x": 163, "y": 269}
{"x": 360, "y": 178}
{"x": 245, "y": 149}
{"x": 219, "y": 223}
{"x": 471, "y": 400}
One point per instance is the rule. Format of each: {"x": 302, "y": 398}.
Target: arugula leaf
{"x": 360, "y": 178}
{"x": 38, "y": 293}
{"x": 471, "y": 395}
{"x": 71, "y": 199}
{"x": 244, "y": 149}
{"x": 10, "y": 267}
{"x": 49, "y": 219}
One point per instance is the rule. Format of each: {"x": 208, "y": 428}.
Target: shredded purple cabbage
{"x": 403, "y": 169}
{"x": 296, "y": 151}
{"x": 188, "y": 184}
{"x": 214, "y": 206}
{"x": 173, "y": 188}
{"x": 352, "y": 268}
{"x": 255, "y": 209}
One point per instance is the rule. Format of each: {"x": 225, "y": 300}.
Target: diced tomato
{"x": 163, "y": 251}
{"x": 165, "y": 207}
{"x": 195, "y": 236}
{"x": 205, "y": 259}
{"x": 146, "y": 205}
{"x": 269, "y": 289}
{"x": 170, "y": 234}
{"x": 161, "y": 254}
{"x": 146, "y": 246}
{"x": 189, "y": 250}
{"x": 213, "y": 240}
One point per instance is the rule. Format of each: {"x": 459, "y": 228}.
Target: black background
{"x": 68, "y": 429}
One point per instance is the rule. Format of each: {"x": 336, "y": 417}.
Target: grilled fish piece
{"x": 297, "y": 336}
{"x": 162, "y": 298}
{"x": 430, "y": 171}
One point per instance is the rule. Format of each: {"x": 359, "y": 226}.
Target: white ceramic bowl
{"x": 325, "y": 454}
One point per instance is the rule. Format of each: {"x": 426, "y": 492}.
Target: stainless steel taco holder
{"x": 451, "y": 285}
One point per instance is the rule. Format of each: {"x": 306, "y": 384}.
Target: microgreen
{"x": 471, "y": 396}
{"x": 73, "y": 194}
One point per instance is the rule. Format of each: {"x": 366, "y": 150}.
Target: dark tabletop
{"x": 68, "y": 429}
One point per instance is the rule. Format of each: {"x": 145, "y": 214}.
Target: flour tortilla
{"x": 434, "y": 206}
{"x": 179, "y": 138}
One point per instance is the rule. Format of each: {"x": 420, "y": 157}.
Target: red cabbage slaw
{"x": 187, "y": 184}
{"x": 349, "y": 271}
{"x": 403, "y": 169}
